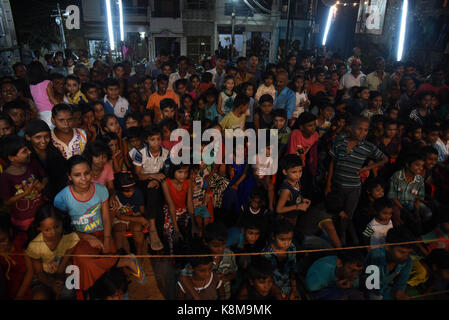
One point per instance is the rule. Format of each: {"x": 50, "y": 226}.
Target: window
{"x": 166, "y": 9}
{"x": 198, "y": 48}
{"x": 197, "y": 4}
{"x": 135, "y": 7}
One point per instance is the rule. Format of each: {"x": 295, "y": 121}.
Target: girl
{"x": 359, "y": 100}
{"x": 374, "y": 105}
{"x": 167, "y": 126}
{"x": 323, "y": 121}
{"x": 195, "y": 81}
{"x": 211, "y": 105}
{"x": 118, "y": 156}
{"x": 17, "y": 267}
{"x": 87, "y": 205}
{"x": 302, "y": 100}
{"x": 177, "y": 191}
{"x": 135, "y": 104}
{"x": 42, "y": 91}
{"x": 87, "y": 122}
{"x": 99, "y": 115}
{"x": 6, "y": 125}
{"x": 110, "y": 124}
{"x": 185, "y": 113}
{"x": 50, "y": 249}
{"x": 147, "y": 89}
{"x": 200, "y": 112}
{"x": 129, "y": 217}
{"x": 226, "y": 98}
{"x": 132, "y": 120}
{"x": 37, "y": 133}
{"x": 248, "y": 90}
{"x": 267, "y": 87}
{"x": 200, "y": 198}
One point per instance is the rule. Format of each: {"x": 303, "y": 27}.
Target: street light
{"x": 120, "y": 8}
{"x": 402, "y": 32}
{"x": 110, "y": 31}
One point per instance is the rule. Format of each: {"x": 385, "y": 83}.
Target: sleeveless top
{"x": 179, "y": 197}
{"x": 227, "y": 102}
{"x": 295, "y": 195}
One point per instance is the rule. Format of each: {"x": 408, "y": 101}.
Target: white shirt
{"x": 348, "y": 80}
{"x": 150, "y": 164}
{"x": 300, "y": 99}
{"x": 120, "y": 107}
{"x": 377, "y": 231}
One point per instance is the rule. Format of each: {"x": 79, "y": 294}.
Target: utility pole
{"x": 59, "y": 18}
{"x": 232, "y": 31}
{"x": 287, "y": 35}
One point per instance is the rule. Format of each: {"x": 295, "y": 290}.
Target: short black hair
{"x": 167, "y": 103}
{"x": 268, "y": 74}
{"x": 118, "y": 65}
{"x": 161, "y": 77}
{"x": 171, "y": 124}
{"x": 110, "y": 82}
{"x": 16, "y": 104}
{"x": 290, "y": 161}
{"x": 56, "y": 76}
{"x": 133, "y": 115}
{"x": 74, "y": 78}
{"x": 266, "y": 98}
{"x": 151, "y": 130}
{"x": 428, "y": 150}
{"x": 382, "y": 203}
{"x": 280, "y": 226}
{"x": 178, "y": 82}
{"x": 351, "y": 256}
{"x": 122, "y": 179}
{"x": 412, "y": 157}
{"x": 87, "y": 86}
{"x": 95, "y": 149}
{"x": 241, "y": 100}
{"x": 134, "y": 132}
{"x": 215, "y": 231}
{"x": 260, "y": 268}
{"x": 280, "y": 113}
{"x": 373, "y": 182}
{"x": 10, "y": 146}
{"x": 61, "y": 108}
{"x": 108, "y": 284}
{"x": 240, "y": 59}
{"x": 202, "y": 257}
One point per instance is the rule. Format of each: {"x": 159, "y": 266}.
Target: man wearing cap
{"x": 353, "y": 78}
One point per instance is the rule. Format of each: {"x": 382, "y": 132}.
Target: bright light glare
{"x": 109, "y": 17}
{"x": 120, "y": 9}
{"x": 402, "y": 32}
{"x": 142, "y": 35}
{"x": 328, "y": 23}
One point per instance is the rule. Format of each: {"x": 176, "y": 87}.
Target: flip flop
{"x": 140, "y": 271}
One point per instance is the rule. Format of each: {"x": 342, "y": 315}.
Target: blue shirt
{"x": 397, "y": 279}
{"x": 85, "y": 215}
{"x": 286, "y": 100}
{"x": 282, "y": 271}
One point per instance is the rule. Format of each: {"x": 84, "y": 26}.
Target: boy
{"x": 291, "y": 203}
{"x": 236, "y": 118}
{"x": 348, "y": 154}
{"x": 161, "y": 93}
{"x": 113, "y": 102}
{"x": 431, "y": 138}
{"x": 21, "y": 183}
{"x": 407, "y": 192}
{"x": 149, "y": 163}
{"x": 73, "y": 86}
{"x": 336, "y": 277}
{"x": 168, "y": 109}
{"x": 135, "y": 143}
{"x": 90, "y": 91}
{"x": 16, "y": 110}
{"x": 280, "y": 123}
{"x": 377, "y": 229}
{"x": 70, "y": 141}
{"x": 394, "y": 263}
{"x": 260, "y": 284}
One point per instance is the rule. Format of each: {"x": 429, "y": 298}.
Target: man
{"x": 20, "y": 71}
{"x": 396, "y": 76}
{"x": 354, "y": 77}
{"x": 406, "y": 102}
{"x": 153, "y": 68}
{"x": 285, "y": 97}
{"x": 377, "y": 80}
{"x": 242, "y": 75}
{"x": 356, "y": 54}
{"x": 218, "y": 73}
{"x": 253, "y": 70}
{"x": 183, "y": 66}
{"x": 436, "y": 82}
{"x": 82, "y": 72}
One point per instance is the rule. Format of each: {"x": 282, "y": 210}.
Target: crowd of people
{"x": 86, "y": 173}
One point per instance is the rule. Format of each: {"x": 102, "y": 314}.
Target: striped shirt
{"x": 347, "y": 165}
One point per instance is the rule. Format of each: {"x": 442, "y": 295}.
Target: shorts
{"x": 202, "y": 212}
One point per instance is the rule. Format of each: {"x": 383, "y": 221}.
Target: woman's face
{"x": 99, "y": 161}
{"x": 80, "y": 175}
{"x": 40, "y": 140}
{"x": 195, "y": 82}
{"x": 5, "y": 128}
{"x": 112, "y": 125}
{"x": 99, "y": 111}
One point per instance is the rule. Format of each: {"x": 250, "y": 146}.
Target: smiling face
{"x": 377, "y": 192}
{"x": 112, "y": 125}
{"x": 40, "y": 140}
{"x": 431, "y": 161}
{"x": 51, "y": 229}
{"x": 80, "y": 175}
{"x": 416, "y": 167}
{"x": 360, "y": 131}
{"x": 9, "y": 92}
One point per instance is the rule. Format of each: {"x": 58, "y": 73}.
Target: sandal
{"x": 140, "y": 273}
{"x": 155, "y": 242}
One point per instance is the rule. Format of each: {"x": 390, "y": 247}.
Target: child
{"x": 202, "y": 282}
{"x": 113, "y": 102}
{"x": 22, "y": 182}
{"x": 236, "y": 118}
{"x": 167, "y": 126}
{"x": 87, "y": 205}
{"x": 77, "y": 114}
{"x": 70, "y": 141}
{"x": 41, "y": 91}
{"x": 49, "y": 251}
{"x": 88, "y": 122}
{"x": 90, "y": 91}
{"x": 323, "y": 121}
{"x": 263, "y": 118}
{"x": 99, "y": 114}
{"x": 135, "y": 104}
{"x": 73, "y": 87}
{"x": 185, "y": 114}
{"x": 211, "y": 104}
{"x": 146, "y": 119}
{"x": 132, "y": 120}
{"x": 443, "y": 141}
{"x": 291, "y": 202}
{"x": 16, "y": 110}
{"x": 260, "y": 284}
{"x": 302, "y": 101}
{"x": 248, "y": 90}
{"x": 267, "y": 87}
{"x": 376, "y": 230}
{"x": 6, "y": 125}
{"x": 110, "y": 124}
{"x": 200, "y": 112}
{"x": 162, "y": 93}
{"x": 118, "y": 155}
{"x": 195, "y": 82}
{"x": 226, "y": 98}
{"x": 255, "y": 207}
{"x": 149, "y": 163}
{"x": 374, "y": 105}
{"x": 284, "y": 264}
{"x": 200, "y": 198}
{"x": 390, "y": 144}
{"x": 179, "y": 218}
{"x": 112, "y": 285}
{"x": 146, "y": 89}
{"x": 168, "y": 109}
{"x": 17, "y": 267}
{"x": 129, "y": 216}
{"x": 348, "y": 157}
{"x": 431, "y": 138}
{"x": 284, "y": 131}
{"x": 135, "y": 142}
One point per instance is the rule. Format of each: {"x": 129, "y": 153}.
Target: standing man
{"x": 153, "y": 68}
{"x": 377, "y": 80}
{"x": 183, "y": 66}
{"x": 218, "y": 73}
{"x": 353, "y": 78}
{"x": 253, "y": 70}
{"x": 285, "y": 97}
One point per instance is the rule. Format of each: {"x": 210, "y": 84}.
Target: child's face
{"x": 18, "y": 117}
{"x": 416, "y": 167}
{"x": 72, "y": 86}
{"x": 114, "y": 146}
{"x": 181, "y": 89}
{"x": 99, "y": 161}
{"x": 431, "y": 161}
{"x": 364, "y": 95}
{"x": 188, "y": 103}
{"x": 299, "y": 83}
{"x": 146, "y": 121}
{"x": 51, "y": 229}
{"x": 112, "y": 125}
{"x": 162, "y": 86}
{"x": 417, "y": 134}
{"x": 113, "y": 92}
{"x": 88, "y": 118}
{"x": 99, "y": 111}
{"x": 376, "y": 103}
{"x": 147, "y": 84}
{"x": 229, "y": 84}
{"x": 279, "y": 123}
{"x": 92, "y": 94}
{"x": 393, "y": 114}
{"x": 154, "y": 142}
{"x": 217, "y": 246}
{"x": 244, "y": 108}
{"x": 256, "y": 203}
{"x": 263, "y": 286}
{"x": 426, "y": 101}
{"x": 391, "y": 130}
{"x": 377, "y": 192}
{"x": 119, "y": 72}
{"x": 309, "y": 128}
{"x": 210, "y": 99}
{"x": 282, "y": 241}
{"x": 165, "y": 133}
{"x": 201, "y": 104}
{"x": 195, "y": 82}
{"x": 182, "y": 174}
{"x": 266, "y": 107}
{"x": 9, "y": 92}
{"x": 432, "y": 137}
{"x": 385, "y": 214}
{"x": 252, "y": 235}
{"x": 76, "y": 119}
{"x": 40, "y": 140}
{"x": 5, "y": 128}
{"x": 341, "y": 123}
{"x": 203, "y": 271}
{"x": 128, "y": 192}
{"x": 293, "y": 174}
{"x": 328, "y": 113}
{"x": 135, "y": 143}
{"x": 269, "y": 81}
{"x": 168, "y": 113}
{"x": 130, "y": 122}
{"x": 63, "y": 121}
{"x": 80, "y": 175}
{"x": 361, "y": 131}
{"x": 249, "y": 91}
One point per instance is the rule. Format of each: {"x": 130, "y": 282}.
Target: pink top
{"x": 298, "y": 141}
{"x": 106, "y": 175}
{"x": 40, "y": 97}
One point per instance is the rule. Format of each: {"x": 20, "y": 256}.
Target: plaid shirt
{"x": 405, "y": 192}
{"x": 347, "y": 165}
{"x": 283, "y": 270}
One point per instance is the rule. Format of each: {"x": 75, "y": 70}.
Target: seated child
{"x": 132, "y": 120}
{"x": 280, "y": 123}
{"x": 16, "y": 110}
{"x": 256, "y": 207}
{"x": 73, "y": 87}
{"x": 88, "y": 122}
{"x": 236, "y": 118}
{"x": 264, "y": 117}
{"x": 211, "y": 112}
{"x": 200, "y": 198}
{"x": 6, "y": 125}
{"x": 376, "y": 231}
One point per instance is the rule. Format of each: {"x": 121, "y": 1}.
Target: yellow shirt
{"x": 231, "y": 121}
{"x": 76, "y": 98}
{"x": 38, "y": 249}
